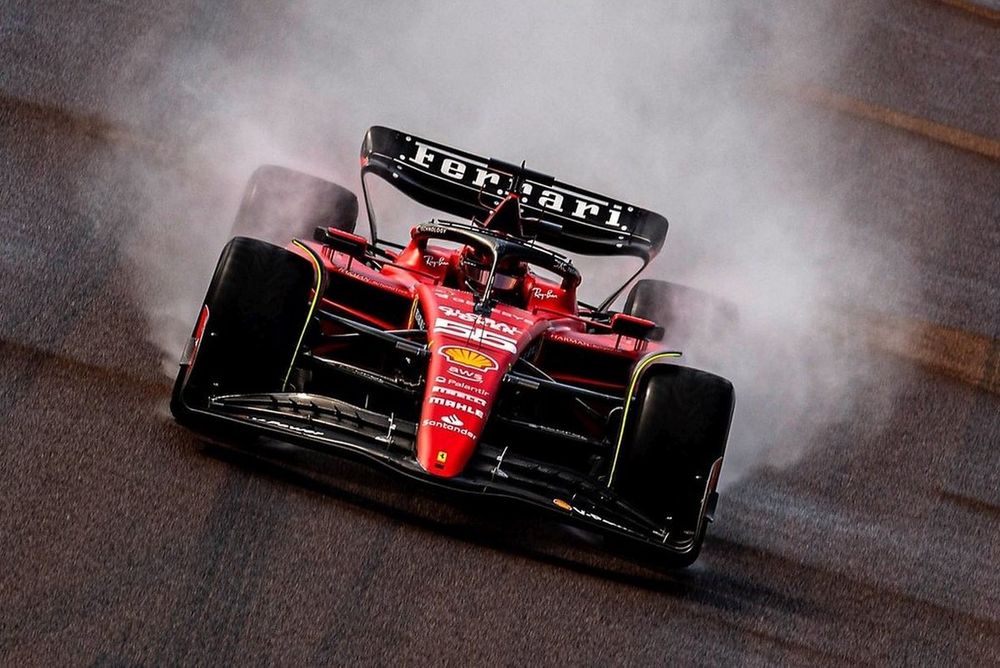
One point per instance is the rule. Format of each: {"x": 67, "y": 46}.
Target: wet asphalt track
{"x": 127, "y": 541}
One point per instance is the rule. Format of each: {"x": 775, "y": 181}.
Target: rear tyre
{"x": 280, "y": 204}
{"x": 258, "y": 304}
{"x": 686, "y": 314}
{"x": 675, "y": 438}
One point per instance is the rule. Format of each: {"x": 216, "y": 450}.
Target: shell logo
{"x": 469, "y": 358}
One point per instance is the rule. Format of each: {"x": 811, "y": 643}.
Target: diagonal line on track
{"x": 975, "y": 8}
{"x": 971, "y": 358}
{"x": 12, "y": 349}
{"x": 945, "y": 134}
{"x": 81, "y": 124}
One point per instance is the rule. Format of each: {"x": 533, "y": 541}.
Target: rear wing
{"x": 466, "y": 185}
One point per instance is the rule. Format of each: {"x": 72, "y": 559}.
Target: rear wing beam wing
{"x": 466, "y": 185}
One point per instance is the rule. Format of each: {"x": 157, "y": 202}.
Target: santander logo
{"x": 448, "y": 426}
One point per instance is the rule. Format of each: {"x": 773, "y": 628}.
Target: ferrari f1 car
{"x": 463, "y": 357}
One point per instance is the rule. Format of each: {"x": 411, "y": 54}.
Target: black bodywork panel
{"x": 463, "y": 184}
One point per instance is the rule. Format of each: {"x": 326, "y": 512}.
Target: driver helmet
{"x": 508, "y": 278}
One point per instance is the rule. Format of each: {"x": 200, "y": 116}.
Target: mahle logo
{"x": 467, "y": 357}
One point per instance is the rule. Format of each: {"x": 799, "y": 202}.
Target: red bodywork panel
{"x": 469, "y": 352}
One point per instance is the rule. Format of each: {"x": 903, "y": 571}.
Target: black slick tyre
{"x": 257, "y": 306}
{"x": 686, "y": 314}
{"x": 671, "y": 452}
{"x": 280, "y": 204}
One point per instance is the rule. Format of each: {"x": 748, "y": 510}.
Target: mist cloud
{"x": 675, "y": 106}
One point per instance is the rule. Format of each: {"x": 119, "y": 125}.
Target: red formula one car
{"x": 464, "y": 358}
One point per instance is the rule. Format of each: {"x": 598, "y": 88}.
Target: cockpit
{"x": 497, "y": 268}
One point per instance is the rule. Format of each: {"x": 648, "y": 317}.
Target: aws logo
{"x": 467, "y": 375}
{"x": 473, "y": 359}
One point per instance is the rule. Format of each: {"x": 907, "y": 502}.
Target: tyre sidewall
{"x": 677, "y": 428}
{"x": 258, "y": 303}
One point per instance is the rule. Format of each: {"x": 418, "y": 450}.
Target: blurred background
{"x": 831, "y": 168}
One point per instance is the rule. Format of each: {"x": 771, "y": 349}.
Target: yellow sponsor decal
{"x": 467, "y": 357}
{"x": 442, "y": 456}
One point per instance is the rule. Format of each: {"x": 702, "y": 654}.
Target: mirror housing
{"x": 635, "y": 327}
{"x": 345, "y": 242}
